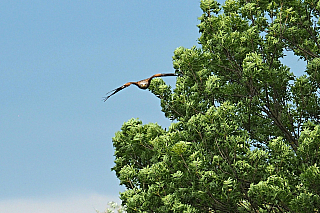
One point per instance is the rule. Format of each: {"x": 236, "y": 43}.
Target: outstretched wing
{"x": 162, "y": 75}
{"x": 117, "y": 90}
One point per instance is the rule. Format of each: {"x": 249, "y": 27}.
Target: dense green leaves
{"x": 246, "y": 134}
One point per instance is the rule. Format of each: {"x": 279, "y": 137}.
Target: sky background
{"x": 57, "y": 60}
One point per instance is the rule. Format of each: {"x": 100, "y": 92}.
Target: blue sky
{"x": 58, "y": 59}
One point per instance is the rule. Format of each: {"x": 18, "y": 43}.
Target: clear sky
{"x": 57, "y": 60}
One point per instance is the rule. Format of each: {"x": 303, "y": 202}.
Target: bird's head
{"x": 143, "y": 84}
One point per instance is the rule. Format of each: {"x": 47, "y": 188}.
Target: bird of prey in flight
{"x": 143, "y": 84}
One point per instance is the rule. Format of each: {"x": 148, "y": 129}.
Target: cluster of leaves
{"x": 113, "y": 208}
{"x": 246, "y": 136}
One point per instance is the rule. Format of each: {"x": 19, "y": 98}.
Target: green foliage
{"x": 113, "y": 208}
{"x": 246, "y": 133}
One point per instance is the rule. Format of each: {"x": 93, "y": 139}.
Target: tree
{"x": 246, "y": 135}
{"x": 113, "y": 208}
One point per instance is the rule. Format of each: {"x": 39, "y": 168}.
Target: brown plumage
{"x": 143, "y": 84}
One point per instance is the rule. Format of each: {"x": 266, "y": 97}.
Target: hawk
{"x": 143, "y": 84}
